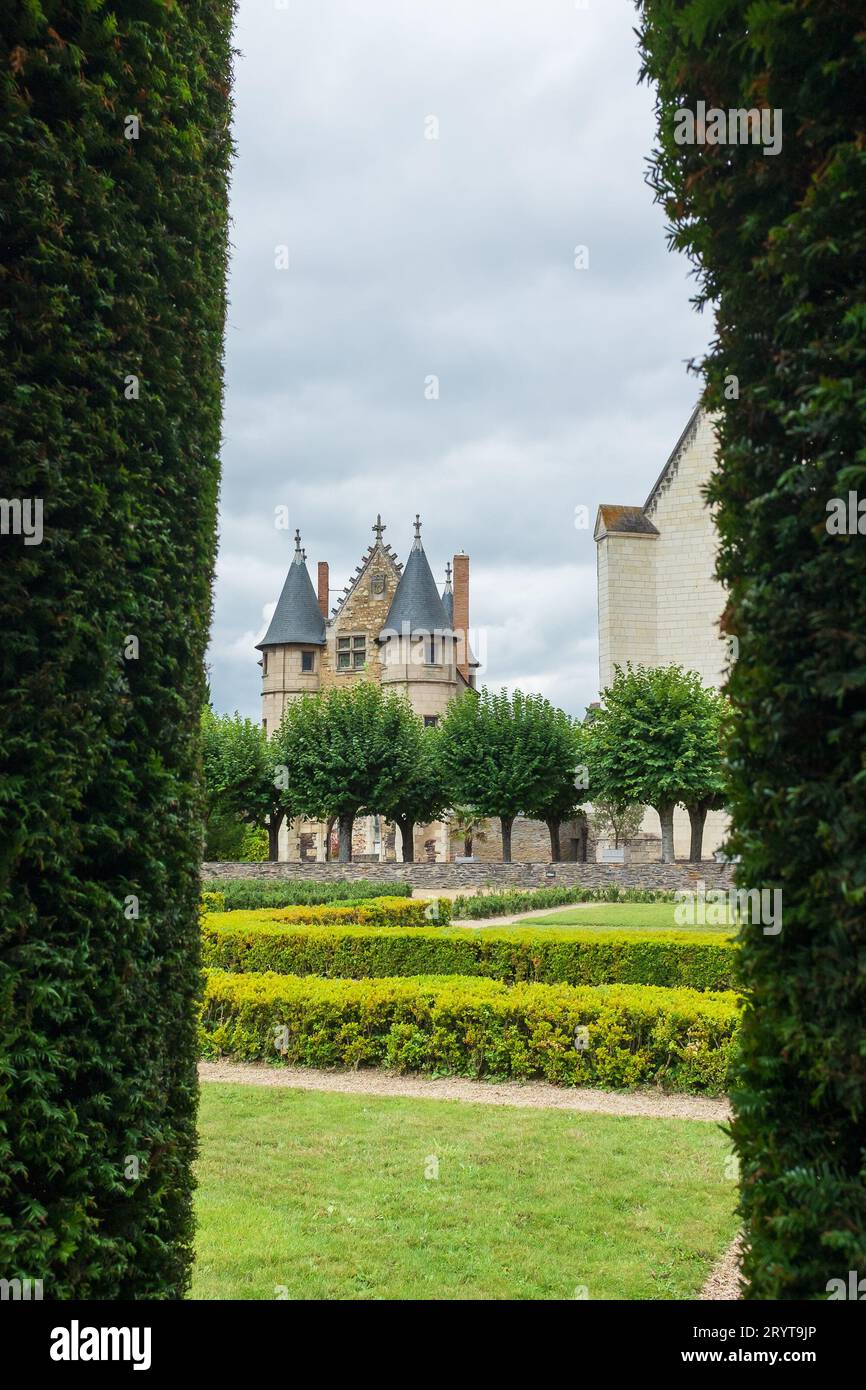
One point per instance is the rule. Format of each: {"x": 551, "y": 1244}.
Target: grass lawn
{"x": 325, "y": 1196}
{"x": 625, "y": 916}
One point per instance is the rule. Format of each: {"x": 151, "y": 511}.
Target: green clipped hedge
{"x": 375, "y": 912}
{"x": 636, "y": 1035}
{"x": 491, "y": 903}
{"x": 778, "y": 244}
{"x": 545, "y": 955}
{"x": 247, "y": 894}
{"x": 112, "y": 265}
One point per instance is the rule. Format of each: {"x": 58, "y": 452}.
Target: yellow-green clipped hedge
{"x": 548, "y": 955}
{"x": 613, "y": 1036}
{"x": 375, "y": 912}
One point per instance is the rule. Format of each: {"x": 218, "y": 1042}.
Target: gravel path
{"x": 535, "y": 1095}
{"x": 723, "y": 1283}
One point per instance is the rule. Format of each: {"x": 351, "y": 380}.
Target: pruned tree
{"x": 245, "y": 775}
{"x": 502, "y": 754}
{"x": 565, "y": 785}
{"x": 421, "y": 796}
{"x": 350, "y": 751}
{"x": 708, "y": 790}
{"x": 652, "y": 742}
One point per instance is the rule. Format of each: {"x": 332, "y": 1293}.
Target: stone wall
{"x": 479, "y": 875}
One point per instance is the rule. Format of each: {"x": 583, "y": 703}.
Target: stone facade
{"x": 494, "y": 875}
{"x": 659, "y": 602}
{"x": 356, "y": 644}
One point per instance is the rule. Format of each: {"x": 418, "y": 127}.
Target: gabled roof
{"x": 635, "y": 521}
{"x": 378, "y": 550}
{"x": 297, "y": 616}
{"x": 623, "y": 521}
{"x": 674, "y": 458}
{"x": 416, "y": 602}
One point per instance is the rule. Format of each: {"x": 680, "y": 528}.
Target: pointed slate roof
{"x": 416, "y": 601}
{"x": 448, "y": 596}
{"x": 297, "y": 616}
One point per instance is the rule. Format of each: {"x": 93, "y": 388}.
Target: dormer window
{"x": 351, "y": 653}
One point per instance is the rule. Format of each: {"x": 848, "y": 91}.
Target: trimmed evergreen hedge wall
{"x": 112, "y": 267}
{"x": 547, "y": 955}
{"x": 247, "y": 894}
{"x": 780, "y": 244}
{"x": 635, "y": 1035}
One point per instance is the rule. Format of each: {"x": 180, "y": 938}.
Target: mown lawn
{"x": 324, "y": 1196}
{"x": 627, "y": 916}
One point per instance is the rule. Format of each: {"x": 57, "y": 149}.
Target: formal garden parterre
{"x": 375, "y": 982}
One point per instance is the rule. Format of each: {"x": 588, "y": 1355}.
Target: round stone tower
{"x": 418, "y": 643}
{"x": 293, "y": 644}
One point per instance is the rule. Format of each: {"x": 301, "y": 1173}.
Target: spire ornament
{"x": 379, "y": 526}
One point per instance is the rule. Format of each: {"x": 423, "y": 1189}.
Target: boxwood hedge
{"x": 548, "y": 955}
{"x": 114, "y": 150}
{"x": 374, "y": 912}
{"x": 246, "y": 894}
{"x": 502, "y": 903}
{"x": 614, "y": 1036}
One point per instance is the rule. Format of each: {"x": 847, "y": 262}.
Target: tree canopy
{"x": 655, "y": 741}
{"x": 506, "y": 754}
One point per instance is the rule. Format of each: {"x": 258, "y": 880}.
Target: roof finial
{"x": 380, "y": 526}
{"x": 448, "y": 572}
{"x": 298, "y": 551}
{"x": 417, "y": 526}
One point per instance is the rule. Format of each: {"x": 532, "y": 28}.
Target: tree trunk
{"x": 697, "y": 819}
{"x": 407, "y": 835}
{"x": 506, "y": 823}
{"x": 329, "y": 826}
{"x": 467, "y": 845}
{"x": 555, "y": 846}
{"x": 666, "y": 816}
{"x": 347, "y": 821}
{"x": 274, "y": 823}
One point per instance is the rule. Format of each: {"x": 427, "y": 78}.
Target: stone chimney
{"x": 461, "y": 612}
{"x": 323, "y": 589}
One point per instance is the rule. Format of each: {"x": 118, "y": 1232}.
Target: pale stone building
{"x": 659, "y": 602}
{"x": 393, "y": 625}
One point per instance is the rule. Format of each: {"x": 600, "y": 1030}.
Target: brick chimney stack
{"x": 461, "y": 612}
{"x": 323, "y": 589}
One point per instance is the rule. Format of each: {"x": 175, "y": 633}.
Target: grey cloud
{"x": 558, "y": 388}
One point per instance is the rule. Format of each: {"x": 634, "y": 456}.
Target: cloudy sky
{"x": 412, "y": 257}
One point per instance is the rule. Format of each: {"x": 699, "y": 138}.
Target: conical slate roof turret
{"x": 416, "y": 602}
{"x": 297, "y": 616}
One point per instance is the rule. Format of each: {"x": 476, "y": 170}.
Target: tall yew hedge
{"x": 112, "y": 266}
{"x": 780, "y": 245}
